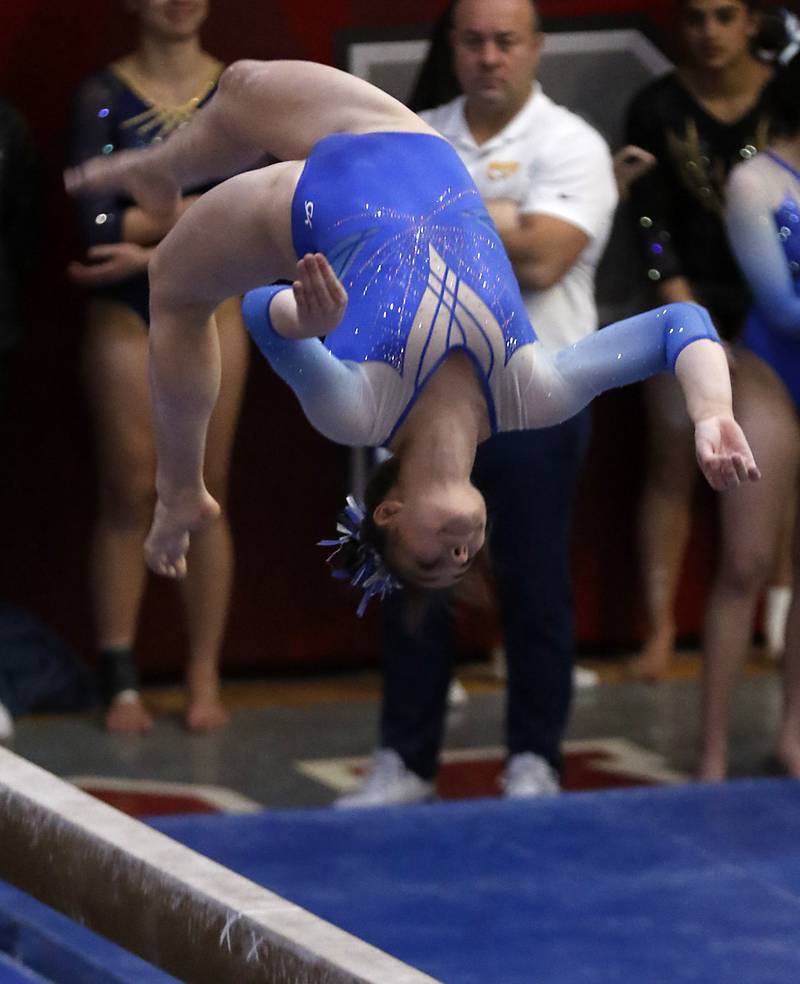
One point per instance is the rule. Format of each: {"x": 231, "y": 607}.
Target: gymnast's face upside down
{"x": 432, "y": 538}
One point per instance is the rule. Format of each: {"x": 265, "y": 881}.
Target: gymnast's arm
{"x": 754, "y": 239}
{"x": 336, "y": 396}
{"x": 678, "y": 337}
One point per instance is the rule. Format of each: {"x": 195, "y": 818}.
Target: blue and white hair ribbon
{"x": 371, "y": 573}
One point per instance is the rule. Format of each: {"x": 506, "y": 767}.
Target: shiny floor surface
{"x": 279, "y": 726}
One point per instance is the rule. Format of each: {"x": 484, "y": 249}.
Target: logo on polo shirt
{"x": 499, "y": 170}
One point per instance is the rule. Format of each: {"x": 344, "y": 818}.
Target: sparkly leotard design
{"x": 414, "y": 271}
{"x": 401, "y": 222}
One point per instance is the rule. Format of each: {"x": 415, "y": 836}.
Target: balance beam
{"x": 173, "y": 907}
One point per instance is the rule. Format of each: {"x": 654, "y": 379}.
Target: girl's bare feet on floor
{"x": 206, "y": 714}
{"x": 654, "y": 662}
{"x": 205, "y": 711}
{"x": 713, "y": 766}
{"x": 127, "y": 715}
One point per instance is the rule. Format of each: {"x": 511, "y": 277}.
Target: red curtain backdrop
{"x": 287, "y": 481}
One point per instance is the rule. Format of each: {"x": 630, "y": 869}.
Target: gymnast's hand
{"x": 167, "y": 543}
{"x": 110, "y": 263}
{"x": 723, "y": 453}
{"x": 630, "y": 164}
{"x": 137, "y": 172}
{"x": 320, "y": 297}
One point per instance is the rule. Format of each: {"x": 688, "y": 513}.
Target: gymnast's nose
{"x": 461, "y": 553}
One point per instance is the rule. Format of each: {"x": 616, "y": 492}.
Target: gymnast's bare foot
{"x": 206, "y": 715}
{"x": 205, "y": 711}
{"x": 653, "y": 664}
{"x": 168, "y": 540}
{"x": 713, "y": 765}
{"x": 137, "y": 172}
{"x": 712, "y": 771}
{"x": 127, "y": 715}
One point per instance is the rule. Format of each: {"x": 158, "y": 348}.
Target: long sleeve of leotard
{"x": 92, "y": 132}
{"x": 754, "y": 237}
{"x": 335, "y": 395}
{"x": 564, "y": 382}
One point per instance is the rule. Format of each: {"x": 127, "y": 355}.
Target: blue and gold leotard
{"x": 398, "y": 217}
{"x": 110, "y": 113}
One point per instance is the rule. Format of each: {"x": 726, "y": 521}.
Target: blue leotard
{"x": 764, "y": 226}
{"x": 395, "y": 249}
{"x": 401, "y": 222}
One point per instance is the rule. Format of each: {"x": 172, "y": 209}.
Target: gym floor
{"x": 296, "y": 742}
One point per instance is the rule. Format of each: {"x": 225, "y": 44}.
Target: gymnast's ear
{"x": 386, "y": 512}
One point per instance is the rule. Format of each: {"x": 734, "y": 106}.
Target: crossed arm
{"x": 542, "y": 248}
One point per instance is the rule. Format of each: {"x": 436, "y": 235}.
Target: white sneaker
{"x": 584, "y": 678}
{"x": 6, "y": 723}
{"x": 497, "y": 658}
{"x": 529, "y": 775}
{"x": 776, "y": 611}
{"x": 387, "y": 783}
{"x": 457, "y": 695}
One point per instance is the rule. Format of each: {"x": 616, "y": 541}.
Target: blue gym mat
{"x": 637, "y": 886}
{"x": 641, "y": 886}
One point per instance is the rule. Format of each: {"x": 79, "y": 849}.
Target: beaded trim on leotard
{"x": 157, "y": 117}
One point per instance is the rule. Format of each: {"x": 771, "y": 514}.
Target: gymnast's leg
{"x": 261, "y": 110}
{"x": 751, "y": 518}
{"x": 114, "y": 366}
{"x": 789, "y": 738}
{"x": 207, "y": 587}
{"x": 193, "y": 269}
{"x": 664, "y": 521}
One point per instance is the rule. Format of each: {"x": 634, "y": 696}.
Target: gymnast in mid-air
{"x": 392, "y": 257}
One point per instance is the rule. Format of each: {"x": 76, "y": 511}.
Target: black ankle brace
{"x": 117, "y": 673}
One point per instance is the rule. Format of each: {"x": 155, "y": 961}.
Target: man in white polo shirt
{"x": 545, "y": 174}
{"x": 547, "y": 180}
